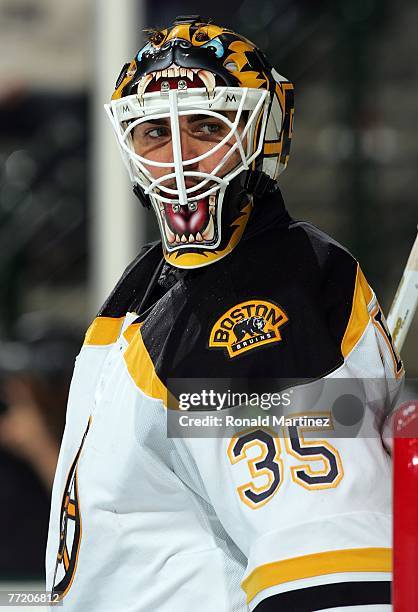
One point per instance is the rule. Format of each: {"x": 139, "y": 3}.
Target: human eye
{"x": 159, "y": 131}
{"x": 210, "y": 129}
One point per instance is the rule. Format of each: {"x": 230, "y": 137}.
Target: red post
{"x": 405, "y": 508}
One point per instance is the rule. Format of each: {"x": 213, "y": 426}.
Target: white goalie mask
{"x": 199, "y": 192}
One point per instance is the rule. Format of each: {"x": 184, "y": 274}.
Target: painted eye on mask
{"x": 146, "y": 49}
{"x": 216, "y": 45}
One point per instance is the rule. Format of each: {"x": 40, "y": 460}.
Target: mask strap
{"x": 176, "y": 143}
{"x": 259, "y": 183}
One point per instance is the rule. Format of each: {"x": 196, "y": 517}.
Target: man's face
{"x": 189, "y": 211}
{"x": 199, "y": 134}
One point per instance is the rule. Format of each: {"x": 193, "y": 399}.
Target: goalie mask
{"x": 204, "y": 125}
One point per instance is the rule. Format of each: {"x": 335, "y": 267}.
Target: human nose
{"x": 189, "y": 149}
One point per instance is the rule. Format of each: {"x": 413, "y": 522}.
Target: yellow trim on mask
{"x": 117, "y": 94}
{"x": 180, "y": 31}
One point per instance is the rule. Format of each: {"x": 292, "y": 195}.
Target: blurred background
{"x": 69, "y": 224}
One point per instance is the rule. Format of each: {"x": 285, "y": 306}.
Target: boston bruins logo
{"x": 246, "y": 326}
{"x": 70, "y": 530}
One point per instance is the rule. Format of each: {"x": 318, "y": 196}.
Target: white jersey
{"x": 142, "y": 522}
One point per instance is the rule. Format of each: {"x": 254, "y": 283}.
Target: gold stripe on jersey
{"x": 359, "y": 317}
{"x": 130, "y": 331}
{"x": 66, "y": 559}
{"x": 319, "y": 564}
{"x": 103, "y": 331}
{"x": 367, "y": 291}
{"x": 142, "y": 370}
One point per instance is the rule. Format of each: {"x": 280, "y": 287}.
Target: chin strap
{"x": 258, "y": 183}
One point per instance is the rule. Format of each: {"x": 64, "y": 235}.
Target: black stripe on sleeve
{"x": 328, "y": 596}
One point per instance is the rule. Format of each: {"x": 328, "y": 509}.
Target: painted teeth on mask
{"x": 212, "y": 200}
{"x": 172, "y": 72}
{"x": 208, "y": 79}
{"x": 175, "y": 71}
{"x": 143, "y": 84}
{"x": 209, "y": 232}
{"x": 169, "y": 234}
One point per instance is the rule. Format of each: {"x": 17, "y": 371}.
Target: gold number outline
{"x": 305, "y": 468}
{"x": 254, "y": 465}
